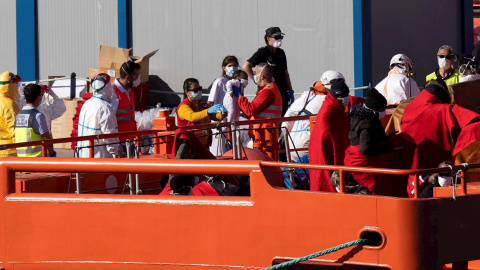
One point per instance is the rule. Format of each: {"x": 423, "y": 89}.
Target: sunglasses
{"x": 195, "y": 90}
{"x": 277, "y": 37}
{"x": 448, "y": 56}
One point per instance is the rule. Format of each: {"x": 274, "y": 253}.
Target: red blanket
{"x": 328, "y": 141}
{"x": 378, "y": 184}
{"x": 434, "y": 127}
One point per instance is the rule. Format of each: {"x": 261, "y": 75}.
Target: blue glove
{"x": 214, "y": 109}
{"x": 236, "y": 90}
{"x": 224, "y": 110}
{"x": 291, "y": 95}
{"x": 54, "y": 154}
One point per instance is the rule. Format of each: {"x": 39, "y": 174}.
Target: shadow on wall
{"x": 161, "y": 92}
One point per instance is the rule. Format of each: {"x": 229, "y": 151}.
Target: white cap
{"x": 330, "y": 75}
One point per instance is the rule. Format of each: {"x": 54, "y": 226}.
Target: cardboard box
{"x": 144, "y": 63}
{"x": 62, "y": 126}
{"x": 111, "y": 59}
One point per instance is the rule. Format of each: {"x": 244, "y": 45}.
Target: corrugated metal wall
{"x": 8, "y": 42}
{"x": 195, "y": 36}
{"x": 70, "y": 34}
{"x": 415, "y": 28}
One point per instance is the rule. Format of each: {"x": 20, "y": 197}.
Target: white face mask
{"x": 381, "y": 115}
{"x": 444, "y": 181}
{"x": 444, "y": 63}
{"x": 230, "y": 70}
{"x": 196, "y": 96}
{"x": 136, "y": 82}
{"x": 244, "y": 82}
{"x": 277, "y": 43}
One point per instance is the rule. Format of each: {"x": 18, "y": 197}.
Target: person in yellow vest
{"x": 445, "y": 70}
{"x": 31, "y": 125}
{"x": 8, "y": 110}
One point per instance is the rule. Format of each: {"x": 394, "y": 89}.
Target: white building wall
{"x": 70, "y": 34}
{"x": 193, "y": 37}
{"x": 8, "y": 42}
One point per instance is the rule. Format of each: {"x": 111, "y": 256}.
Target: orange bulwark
{"x": 101, "y": 231}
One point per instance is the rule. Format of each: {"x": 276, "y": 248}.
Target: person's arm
{"x": 187, "y": 113}
{"x": 55, "y": 109}
{"x": 247, "y": 67}
{"x": 108, "y": 124}
{"x": 216, "y": 88}
{"x": 260, "y": 103}
{"x": 287, "y": 79}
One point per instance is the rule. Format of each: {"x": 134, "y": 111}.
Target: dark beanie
{"x": 374, "y": 100}
{"x": 338, "y": 88}
{"x": 439, "y": 88}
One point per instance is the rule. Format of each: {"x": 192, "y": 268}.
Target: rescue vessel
{"x": 73, "y": 213}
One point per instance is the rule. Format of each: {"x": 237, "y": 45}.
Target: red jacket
{"x": 329, "y": 140}
{"x": 434, "y": 127}
{"x": 267, "y": 103}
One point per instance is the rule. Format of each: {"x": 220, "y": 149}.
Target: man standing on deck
{"x": 272, "y": 54}
{"x": 446, "y": 58}
{"x": 268, "y": 101}
{"x": 30, "y": 124}
{"x": 123, "y": 101}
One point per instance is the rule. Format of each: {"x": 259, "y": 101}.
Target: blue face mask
{"x": 230, "y": 70}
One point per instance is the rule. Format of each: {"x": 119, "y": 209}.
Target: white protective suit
{"x": 300, "y": 130}
{"x": 217, "y": 93}
{"x": 98, "y": 117}
{"x": 396, "y": 86}
{"x": 51, "y": 106}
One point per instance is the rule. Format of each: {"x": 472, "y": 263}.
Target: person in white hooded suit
{"x": 98, "y": 117}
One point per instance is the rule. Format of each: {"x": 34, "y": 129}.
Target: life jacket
{"x": 24, "y": 133}
{"x": 125, "y": 112}
{"x": 452, "y": 78}
{"x": 204, "y": 135}
{"x": 272, "y": 111}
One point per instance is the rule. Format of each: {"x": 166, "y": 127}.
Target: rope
{"x": 320, "y": 253}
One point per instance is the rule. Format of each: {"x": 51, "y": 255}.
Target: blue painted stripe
{"x": 362, "y": 44}
{"x": 27, "y": 40}
{"x": 123, "y": 10}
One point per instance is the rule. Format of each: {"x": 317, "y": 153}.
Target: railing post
{"x": 342, "y": 181}
{"x": 130, "y": 177}
{"x": 463, "y": 183}
{"x": 156, "y": 144}
{"x": 415, "y": 187}
{"x": 91, "y": 149}
{"x": 44, "y": 149}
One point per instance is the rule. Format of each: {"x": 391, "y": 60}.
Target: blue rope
{"x": 320, "y": 253}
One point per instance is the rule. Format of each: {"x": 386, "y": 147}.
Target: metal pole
{"x": 137, "y": 176}
{"x": 289, "y": 158}
{"x": 73, "y": 85}
{"x": 130, "y": 177}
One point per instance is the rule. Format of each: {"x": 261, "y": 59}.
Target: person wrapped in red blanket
{"x": 329, "y": 137}
{"x": 434, "y": 125}
{"x": 368, "y": 143}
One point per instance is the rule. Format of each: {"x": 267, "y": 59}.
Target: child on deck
{"x": 234, "y": 86}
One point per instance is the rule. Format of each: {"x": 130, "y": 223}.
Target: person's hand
{"x": 214, "y": 109}
{"x": 224, "y": 110}
{"x": 236, "y": 90}
{"x": 54, "y": 154}
{"x": 291, "y": 95}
